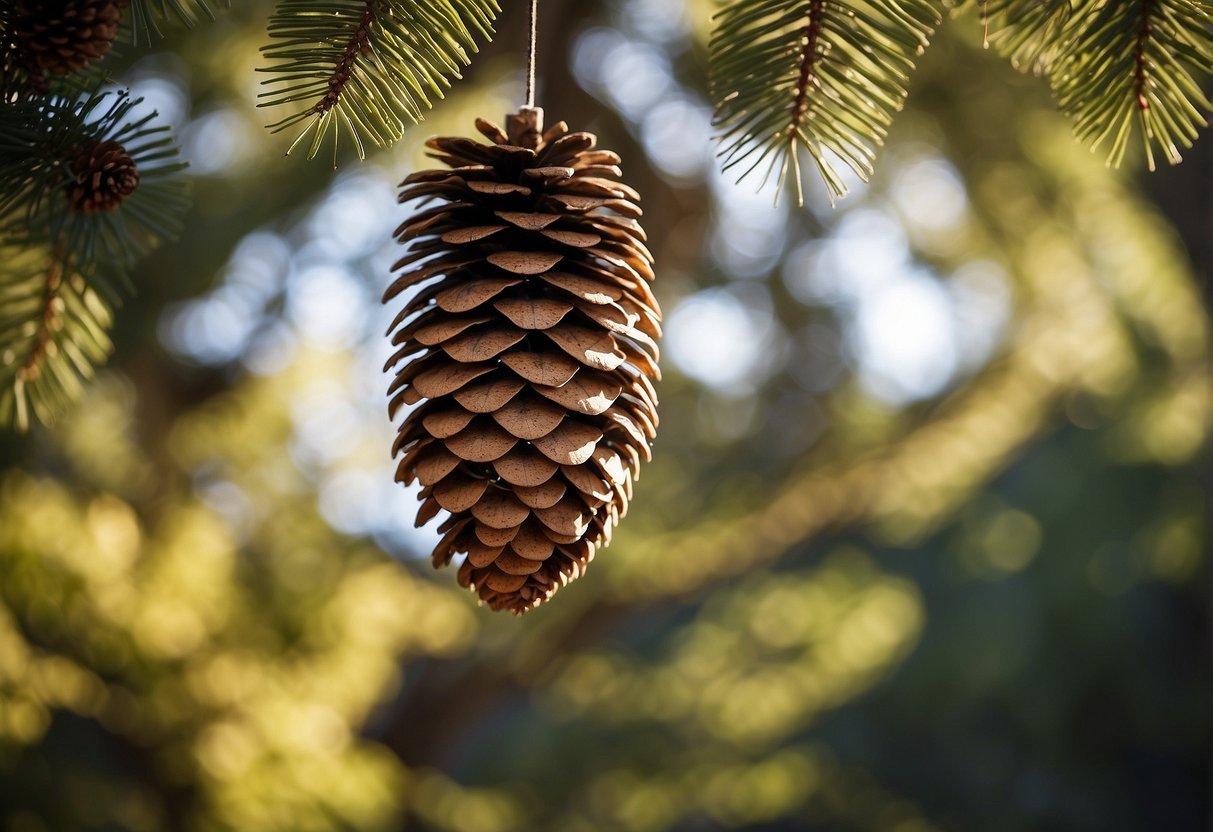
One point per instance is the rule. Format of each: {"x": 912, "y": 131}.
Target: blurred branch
{"x": 52, "y": 333}
{"x": 1086, "y": 284}
{"x": 147, "y": 16}
{"x": 793, "y": 784}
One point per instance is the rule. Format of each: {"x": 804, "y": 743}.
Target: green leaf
{"x": 820, "y": 76}
{"x": 366, "y": 68}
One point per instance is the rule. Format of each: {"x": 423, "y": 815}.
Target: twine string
{"x": 530, "y": 68}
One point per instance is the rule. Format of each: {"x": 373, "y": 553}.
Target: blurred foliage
{"x": 228, "y": 676}
{"x": 978, "y": 601}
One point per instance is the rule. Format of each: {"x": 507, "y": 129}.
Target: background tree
{"x": 922, "y": 545}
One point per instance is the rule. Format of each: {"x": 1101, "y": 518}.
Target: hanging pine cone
{"x": 60, "y": 37}
{"x": 103, "y": 175}
{"x": 530, "y": 346}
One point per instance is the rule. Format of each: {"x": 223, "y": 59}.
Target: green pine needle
{"x": 53, "y": 332}
{"x": 1030, "y": 32}
{"x": 823, "y": 76}
{"x": 39, "y": 141}
{"x": 146, "y": 17}
{"x": 61, "y": 272}
{"x": 367, "y": 68}
{"x": 1118, "y": 65}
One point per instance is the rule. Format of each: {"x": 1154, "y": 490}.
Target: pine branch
{"x": 13, "y": 75}
{"x": 21, "y": 77}
{"x": 86, "y": 189}
{"x": 1032, "y": 33}
{"x": 367, "y": 67}
{"x": 40, "y": 143}
{"x": 1140, "y": 62}
{"x": 1114, "y": 65}
{"x": 146, "y": 17}
{"x": 825, "y": 76}
{"x": 52, "y": 333}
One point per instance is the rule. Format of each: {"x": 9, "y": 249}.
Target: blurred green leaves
{"x": 238, "y": 670}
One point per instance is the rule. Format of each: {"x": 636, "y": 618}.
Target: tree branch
{"x": 48, "y": 319}
{"x": 359, "y": 44}
{"x": 808, "y": 60}
{"x": 1140, "y": 63}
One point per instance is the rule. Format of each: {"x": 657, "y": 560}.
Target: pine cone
{"x": 102, "y": 176}
{"x": 530, "y": 346}
{"x": 60, "y": 37}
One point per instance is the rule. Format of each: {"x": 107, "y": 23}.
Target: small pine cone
{"x": 529, "y": 345}
{"x": 60, "y": 37}
{"x": 103, "y": 175}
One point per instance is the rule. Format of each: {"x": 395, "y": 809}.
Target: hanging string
{"x": 530, "y": 67}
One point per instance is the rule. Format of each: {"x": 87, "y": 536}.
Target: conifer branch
{"x": 359, "y": 44}
{"x": 823, "y": 76}
{"x": 808, "y": 62}
{"x": 1140, "y": 62}
{"x": 147, "y": 17}
{"x": 1114, "y": 65}
{"x": 366, "y": 68}
{"x": 53, "y": 332}
{"x": 40, "y": 141}
{"x": 47, "y": 320}
{"x": 1030, "y": 32}
{"x": 86, "y": 189}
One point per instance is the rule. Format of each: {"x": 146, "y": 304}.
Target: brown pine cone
{"x": 60, "y": 37}
{"x": 529, "y": 345}
{"x": 102, "y": 176}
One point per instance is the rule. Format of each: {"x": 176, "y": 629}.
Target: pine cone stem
{"x": 525, "y": 128}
